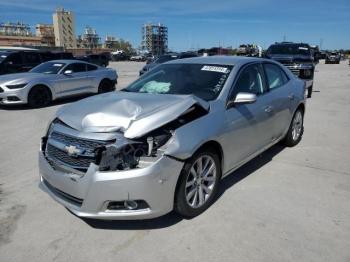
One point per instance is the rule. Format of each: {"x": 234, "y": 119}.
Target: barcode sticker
{"x": 218, "y": 69}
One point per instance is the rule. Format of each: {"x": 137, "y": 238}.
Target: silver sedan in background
{"x": 166, "y": 140}
{"x": 55, "y": 79}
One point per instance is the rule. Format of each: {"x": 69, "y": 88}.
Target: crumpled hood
{"x": 21, "y": 78}
{"x": 135, "y": 114}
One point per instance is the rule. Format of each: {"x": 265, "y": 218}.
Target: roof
{"x": 67, "y": 61}
{"x": 14, "y": 48}
{"x": 223, "y": 60}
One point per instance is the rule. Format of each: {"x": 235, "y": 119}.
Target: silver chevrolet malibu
{"x": 164, "y": 142}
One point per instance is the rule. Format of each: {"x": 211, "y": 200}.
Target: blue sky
{"x": 201, "y": 23}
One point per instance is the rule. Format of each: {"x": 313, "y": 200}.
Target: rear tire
{"x": 296, "y": 129}
{"x": 198, "y": 184}
{"x": 309, "y": 91}
{"x": 105, "y": 86}
{"x": 39, "y": 96}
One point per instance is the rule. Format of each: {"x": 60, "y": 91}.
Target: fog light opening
{"x": 130, "y": 204}
{"x": 127, "y": 205}
{"x": 12, "y": 98}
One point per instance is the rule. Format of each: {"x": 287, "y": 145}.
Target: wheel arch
{"x": 43, "y": 85}
{"x": 214, "y": 146}
{"x": 211, "y": 145}
{"x": 105, "y": 78}
{"x": 302, "y": 107}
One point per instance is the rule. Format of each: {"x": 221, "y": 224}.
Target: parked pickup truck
{"x": 298, "y": 58}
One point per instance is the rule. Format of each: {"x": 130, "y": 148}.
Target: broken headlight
{"x": 125, "y": 154}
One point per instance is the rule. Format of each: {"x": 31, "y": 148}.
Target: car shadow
{"x": 59, "y": 101}
{"x": 249, "y": 168}
{"x": 173, "y": 218}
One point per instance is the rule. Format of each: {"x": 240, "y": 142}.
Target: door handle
{"x": 291, "y": 96}
{"x": 268, "y": 109}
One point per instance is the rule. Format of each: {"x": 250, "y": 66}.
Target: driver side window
{"x": 76, "y": 67}
{"x": 250, "y": 80}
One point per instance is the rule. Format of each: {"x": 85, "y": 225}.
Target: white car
{"x": 54, "y": 79}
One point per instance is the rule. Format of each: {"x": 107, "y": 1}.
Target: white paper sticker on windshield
{"x": 59, "y": 65}
{"x": 303, "y": 48}
{"x": 218, "y": 69}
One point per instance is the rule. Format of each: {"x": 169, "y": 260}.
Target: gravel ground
{"x": 289, "y": 204}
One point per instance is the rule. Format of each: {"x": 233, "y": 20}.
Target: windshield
{"x": 288, "y": 50}
{"x": 204, "y": 81}
{"x": 48, "y": 68}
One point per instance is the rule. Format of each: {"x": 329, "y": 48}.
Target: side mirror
{"x": 242, "y": 98}
{"x": 68, "y": 72}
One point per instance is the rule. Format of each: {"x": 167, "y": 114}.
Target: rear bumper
{"x": 88, "y": 196}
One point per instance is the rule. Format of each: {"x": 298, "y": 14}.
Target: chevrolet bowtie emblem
{"x": 73, "y": 150}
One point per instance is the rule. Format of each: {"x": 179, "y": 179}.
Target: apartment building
{"x": 46, "y": 32}
{"x": 64, "y": 28}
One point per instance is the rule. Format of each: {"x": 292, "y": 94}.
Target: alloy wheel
{"x": 297, "y": 125}
{"x": 200, "y": 181}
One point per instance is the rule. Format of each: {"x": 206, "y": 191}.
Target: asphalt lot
{"x": 289, "y": 204}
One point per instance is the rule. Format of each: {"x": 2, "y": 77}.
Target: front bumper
{"x": 332, "y": 61}
{"x": 88, "y": 196}
{"x": 13, "y": 96}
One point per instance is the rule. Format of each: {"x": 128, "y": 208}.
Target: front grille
{"x": 63, "y": 195}
{"x": 89, "y": 145}
{"x": 61, "y": 157}
{"x": 294, "y": 70}
{"x": 74, "y": 162}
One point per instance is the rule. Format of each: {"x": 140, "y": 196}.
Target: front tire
{"x": 198, "y": 184}
{"x": 105, "y": 86}
{"x": 39, "y": 96}
{"x": 296, "y": 129}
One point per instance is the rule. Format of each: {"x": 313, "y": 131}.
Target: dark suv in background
{"x": 332, "y": 58}
{"x": 298, "y": 58}
{"x": 165, "y": 58}
{"x": 23, "y": 61}
{"x": 100, "y": 59}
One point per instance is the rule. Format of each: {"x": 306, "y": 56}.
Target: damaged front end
{"x": 127, "y": 153}
{"x": 66, "y": 148}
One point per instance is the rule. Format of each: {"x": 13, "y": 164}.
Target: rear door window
{"x": 91, "y": 67}
{"x": 77, "y": 67}
{"x": 275, "y": 76}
